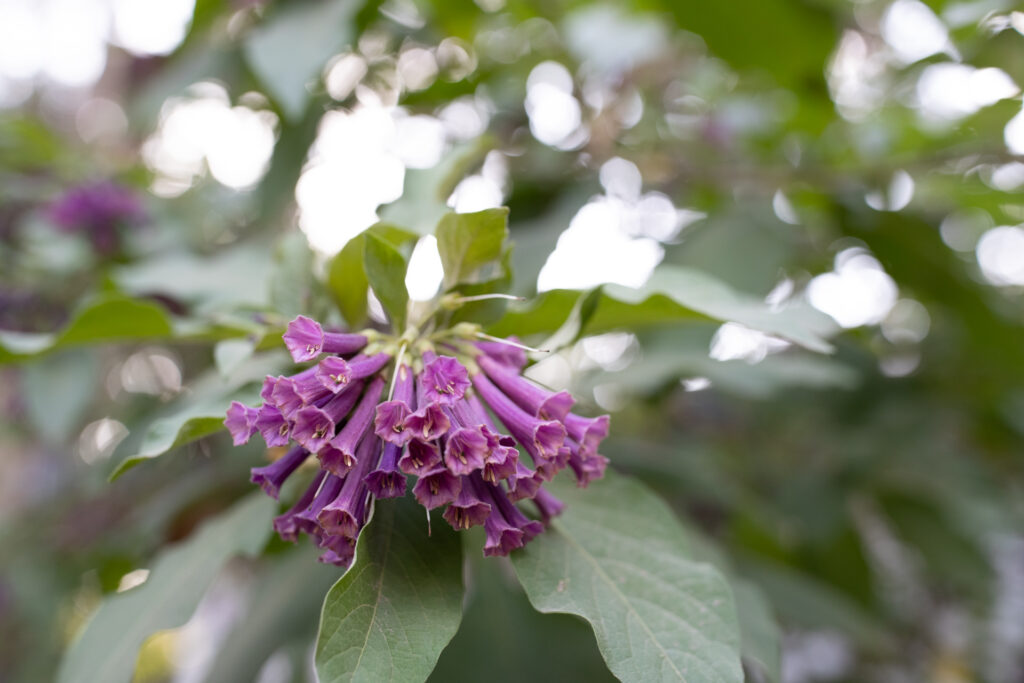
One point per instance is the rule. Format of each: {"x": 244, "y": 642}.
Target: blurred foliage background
{"x": 862, "y": 160}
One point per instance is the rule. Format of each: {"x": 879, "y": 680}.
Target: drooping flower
{"x": 434, "y": 424}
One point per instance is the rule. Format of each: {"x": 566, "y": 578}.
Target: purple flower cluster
{"x": 98, "y": 210}
{"x": 437, "y": 425}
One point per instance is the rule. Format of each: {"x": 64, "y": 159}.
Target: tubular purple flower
{"x": 444, "y": 380}
{"x": 467, "y": 509}
{"x": 541, "y": 439}
{"x": 387, "y": 481}
{"x": 272, "y": 426}
{"x": 307, "y": 519}
{"x": 286, "y": 524}
{"x": 306, "y": 340}
{"x": 346, "y": 514}
{"x": 271, "y": 477}
{"x": 312, "y": 428}
{"x": 437, "y": 487}
{"x": 546, "y": 405}
{"x": 285, "y": 396}
{"x": 389, "y": 424}
{"x": 339, "y": 551}
{"x": 335, "y": 373}
{"x": 589, "y": 432}
{"x": 341, "y": 453}
{"x": 465, "y": 450}
{"x": 419, "y": 457}
{"x": 507, "y": 528}
{"x": 524, "y": 484}
{"x": 507, "y": 354}
{"x": 502, "y": 461}
{"x": 241, "y": 422}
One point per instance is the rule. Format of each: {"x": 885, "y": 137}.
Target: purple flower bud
{"x": 467, "y": 509}
{"x": 420, "y": 457}
{"x": 241, "y": 422}
{"x": 437, "y": 487}
{"x": 444, "y": 380}
{"x": 272, "y": 426}
{"x": 465, "y": 450}
{"x": 271, "y": 477}
{"x": 306, "y": 340}
{"x": 339, "y": 455}
{"x": 286, "y": 525}
{"x": 387, "y": 481}
{"x": 546, "y": 405}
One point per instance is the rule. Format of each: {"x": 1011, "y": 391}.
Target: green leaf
{"x": 391, "y": 615}
{"x": 59, "y": 389}
{"x": 229, "y": 354}
{"x": 561, "y": 646}
{"x": 201, "y": 411}
{"x": 292, "y": 277}
{"x": 289, "y": 50}
{"x": 106, "y": 651}
{"x": 672, "y": 295}
{"x": 469, "y": 241}
{"x": 346, "y": 273}
{"x": 385, "y": 271}
{"x": 107, "y": 318}
{"x": 618, "y": 558}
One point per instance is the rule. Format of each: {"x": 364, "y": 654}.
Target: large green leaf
{"x": 469, "y": 241}
{"x": 107, "y": 318}
{"x": 346, "y": 273}
{"x": 291, "y": 280}
{"x": 671, "y": 295}
{"x": 391, "y": 615}
{"x": 293, "y": 45}
{"x": 619, "y": 559}
{"x": 107, "y": 649}
{"x": 59, "y": 389}
{"x": 201, "y": 411}
{"x": 385, "y": 271}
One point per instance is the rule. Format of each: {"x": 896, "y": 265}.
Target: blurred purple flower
{"x": 100, "y": 211}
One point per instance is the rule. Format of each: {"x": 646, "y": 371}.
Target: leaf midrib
{"x": 376, "y": 604}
